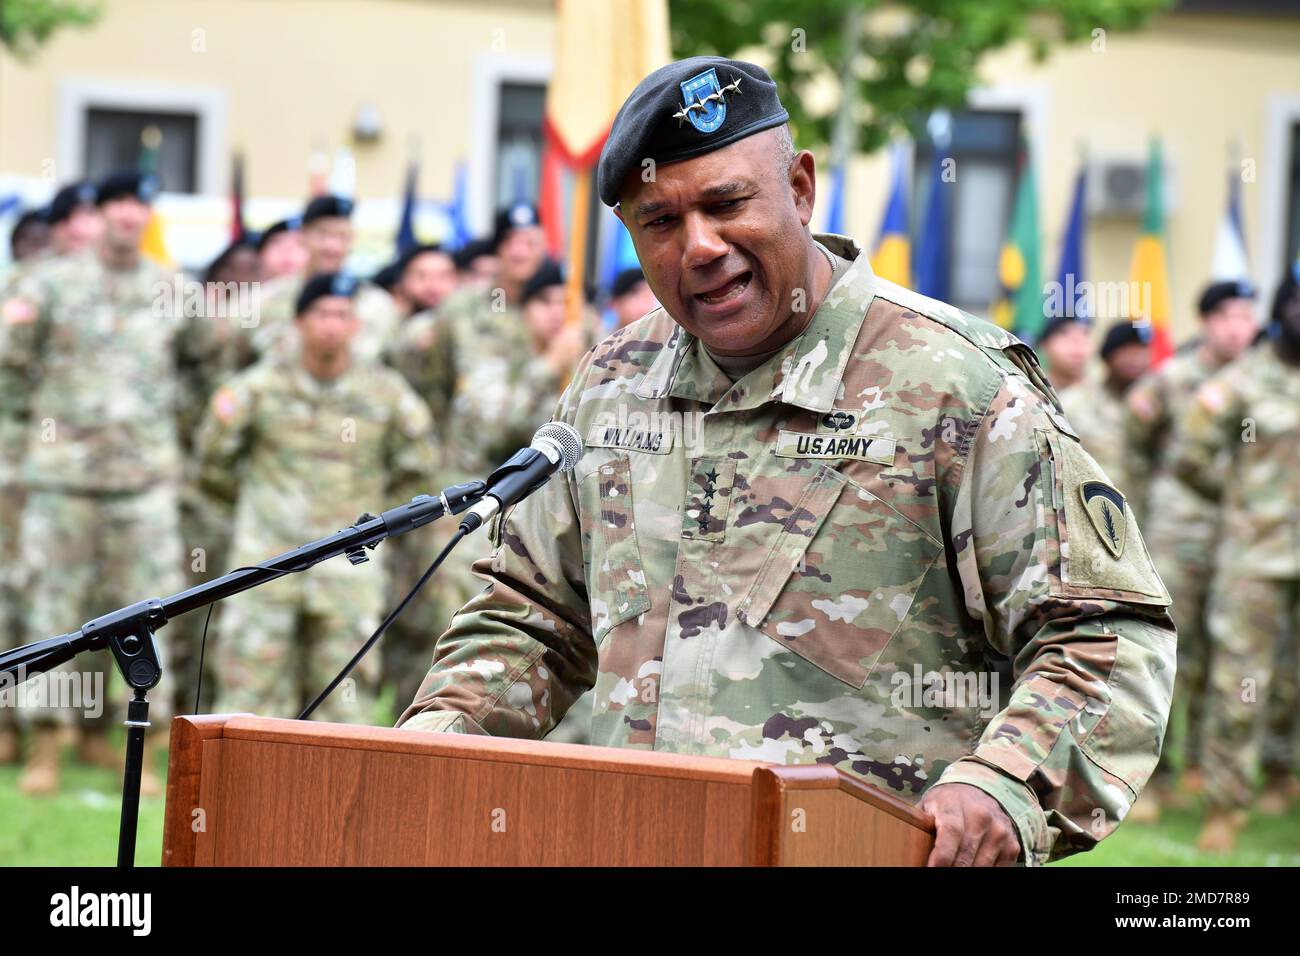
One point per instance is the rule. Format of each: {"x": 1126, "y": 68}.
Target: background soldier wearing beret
{"x": 93, "y": 378}
{"x": 804, "y": 487}
{"x": 326, "y": 231}
{"x": 1238, "y": 444}
{"x": 297, "y": 446}
{"x": 1095, "y": 406}
{"x": 1181, "y": 526}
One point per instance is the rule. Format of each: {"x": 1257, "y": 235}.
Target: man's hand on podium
{"x": 971, "y": 828}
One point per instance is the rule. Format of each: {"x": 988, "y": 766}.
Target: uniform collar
{"x": 807, "y": 373}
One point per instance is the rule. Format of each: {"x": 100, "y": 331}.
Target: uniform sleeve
{"x": 222, "y": 442}
{"x": 1086, "y": 629}
{"x": 518, "y": 655}
{"x": 1204, "y": 435}
{"x": 409, "y": 448}
{"x": 24, "y": 324}
{"x": 426, "y": 355}
{"x": 200, "y": 347}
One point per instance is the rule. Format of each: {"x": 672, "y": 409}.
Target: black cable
{"x": 379, "y": 631}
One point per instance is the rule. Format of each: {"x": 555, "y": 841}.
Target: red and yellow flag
{"x": 1149, "y": 273}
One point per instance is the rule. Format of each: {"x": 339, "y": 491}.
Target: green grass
{"x": 78, "y": 826}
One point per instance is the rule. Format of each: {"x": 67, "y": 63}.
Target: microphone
{"x": 555, "y": 448}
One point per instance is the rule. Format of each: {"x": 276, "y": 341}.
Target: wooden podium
{"x": 252, "y": 791}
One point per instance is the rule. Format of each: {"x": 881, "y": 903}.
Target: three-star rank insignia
{"x": 1106, "y": 509}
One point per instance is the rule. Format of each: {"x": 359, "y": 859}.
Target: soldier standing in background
{"x": 297, "y": 447}
{"x": 27, "y": 243}
{"x": 630, "y": 297}
{"x": 1065, "y": 347}
{"x": 1095, "y": 407}
{"x": 94, "y": 363}
{"x": 1239, "y": 445}
{"x": 1181, "y": 525}
{"x": 423, "y": 278}
{"x": 280, "y": 251}
{"x": 327, "y": 237}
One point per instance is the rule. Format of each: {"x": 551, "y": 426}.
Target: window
{"x": 519, "y": 143}
{"x": 113, "y": 141}
{"x": 985, "y": 145}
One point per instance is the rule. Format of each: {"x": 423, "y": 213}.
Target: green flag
{"x": 1019, "y": 306}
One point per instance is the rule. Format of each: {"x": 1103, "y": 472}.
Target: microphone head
{"x": 559, "y": 442}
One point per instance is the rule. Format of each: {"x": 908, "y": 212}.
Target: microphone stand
{"x": 129, "y": 631}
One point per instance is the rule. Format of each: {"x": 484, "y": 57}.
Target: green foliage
{"x": 913, "y": 56}
{"x": 25, "y": 25}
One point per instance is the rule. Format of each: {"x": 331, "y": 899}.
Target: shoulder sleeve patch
{"x": 225, "y": 405}
{"x": 17, "y": 311}
{"x": 1214, "y": 396}
{"x": 1101, "y": 551}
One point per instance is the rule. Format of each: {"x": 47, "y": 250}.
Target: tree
{"x": 905, "y": 58}
{"x": 27, "y": 24}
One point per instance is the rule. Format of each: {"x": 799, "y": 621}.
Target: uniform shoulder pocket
{"x": 1095, "y": 547}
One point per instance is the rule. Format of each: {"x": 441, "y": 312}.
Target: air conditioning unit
{"x": 1117, "y": 187}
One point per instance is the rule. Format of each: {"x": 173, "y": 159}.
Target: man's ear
{"x": 803, "y": 184}
{"x": 618, "y": 211}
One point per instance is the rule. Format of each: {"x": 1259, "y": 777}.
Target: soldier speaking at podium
{"x": 821, "y": 519}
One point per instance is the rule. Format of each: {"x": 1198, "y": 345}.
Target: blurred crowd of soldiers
{"x": 152, "y": 439}
{"x": 147, "y": 445}
{"x": 1206, "y": 449}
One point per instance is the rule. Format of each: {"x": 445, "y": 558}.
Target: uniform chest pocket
{"x": 615, "y": 578}
{"x": 839, "y": 582}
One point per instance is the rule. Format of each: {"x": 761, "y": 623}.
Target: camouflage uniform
{"x": 802, "y": 566}
{"x": 299, "y": 459}
{"x": 1181, "y": 531}
{"x": 1097, "y": 413}
{"x": 93, "y": 375}
{"x": 1239, "y": 444}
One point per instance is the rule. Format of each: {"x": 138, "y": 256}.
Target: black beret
{"x": 326, "y": 206}
{"x": 517, "y": 215}
{"x": 1057, "y": 324}
{"x": 625, "y": 282}
{"x": 69, "y": 198}
{"x": 687, "y": 109}
{"x": 1216, "y": 293}
{"x": 292, "y": 224}
{"x": 323, "y": 284}
{"x": 550, "y": 274}
{"x": 1124, "y": 333}
{"x": 472, "y": 250}
{"x": 127, "y": 183}
{"x": 410, "y": 255}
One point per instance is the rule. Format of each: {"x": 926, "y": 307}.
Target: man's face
{"x": 1128, "y": 363}
{"x": 544, "y": 313}
{"x": 327, "y": 327}
{"x": 80, "y": 230}
{"x": 125, "y": 219}
{"x": 1230, "y": 327}
{"x": 284, "y": 254}
{"x": 722, "y": 239}
{"x": 520, "y": 254}
{"x": 428, "y": 279}
{"x": 635, "y": 303}
{"x": 328, "y": 241}
{"x": 1067, "y": 351}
